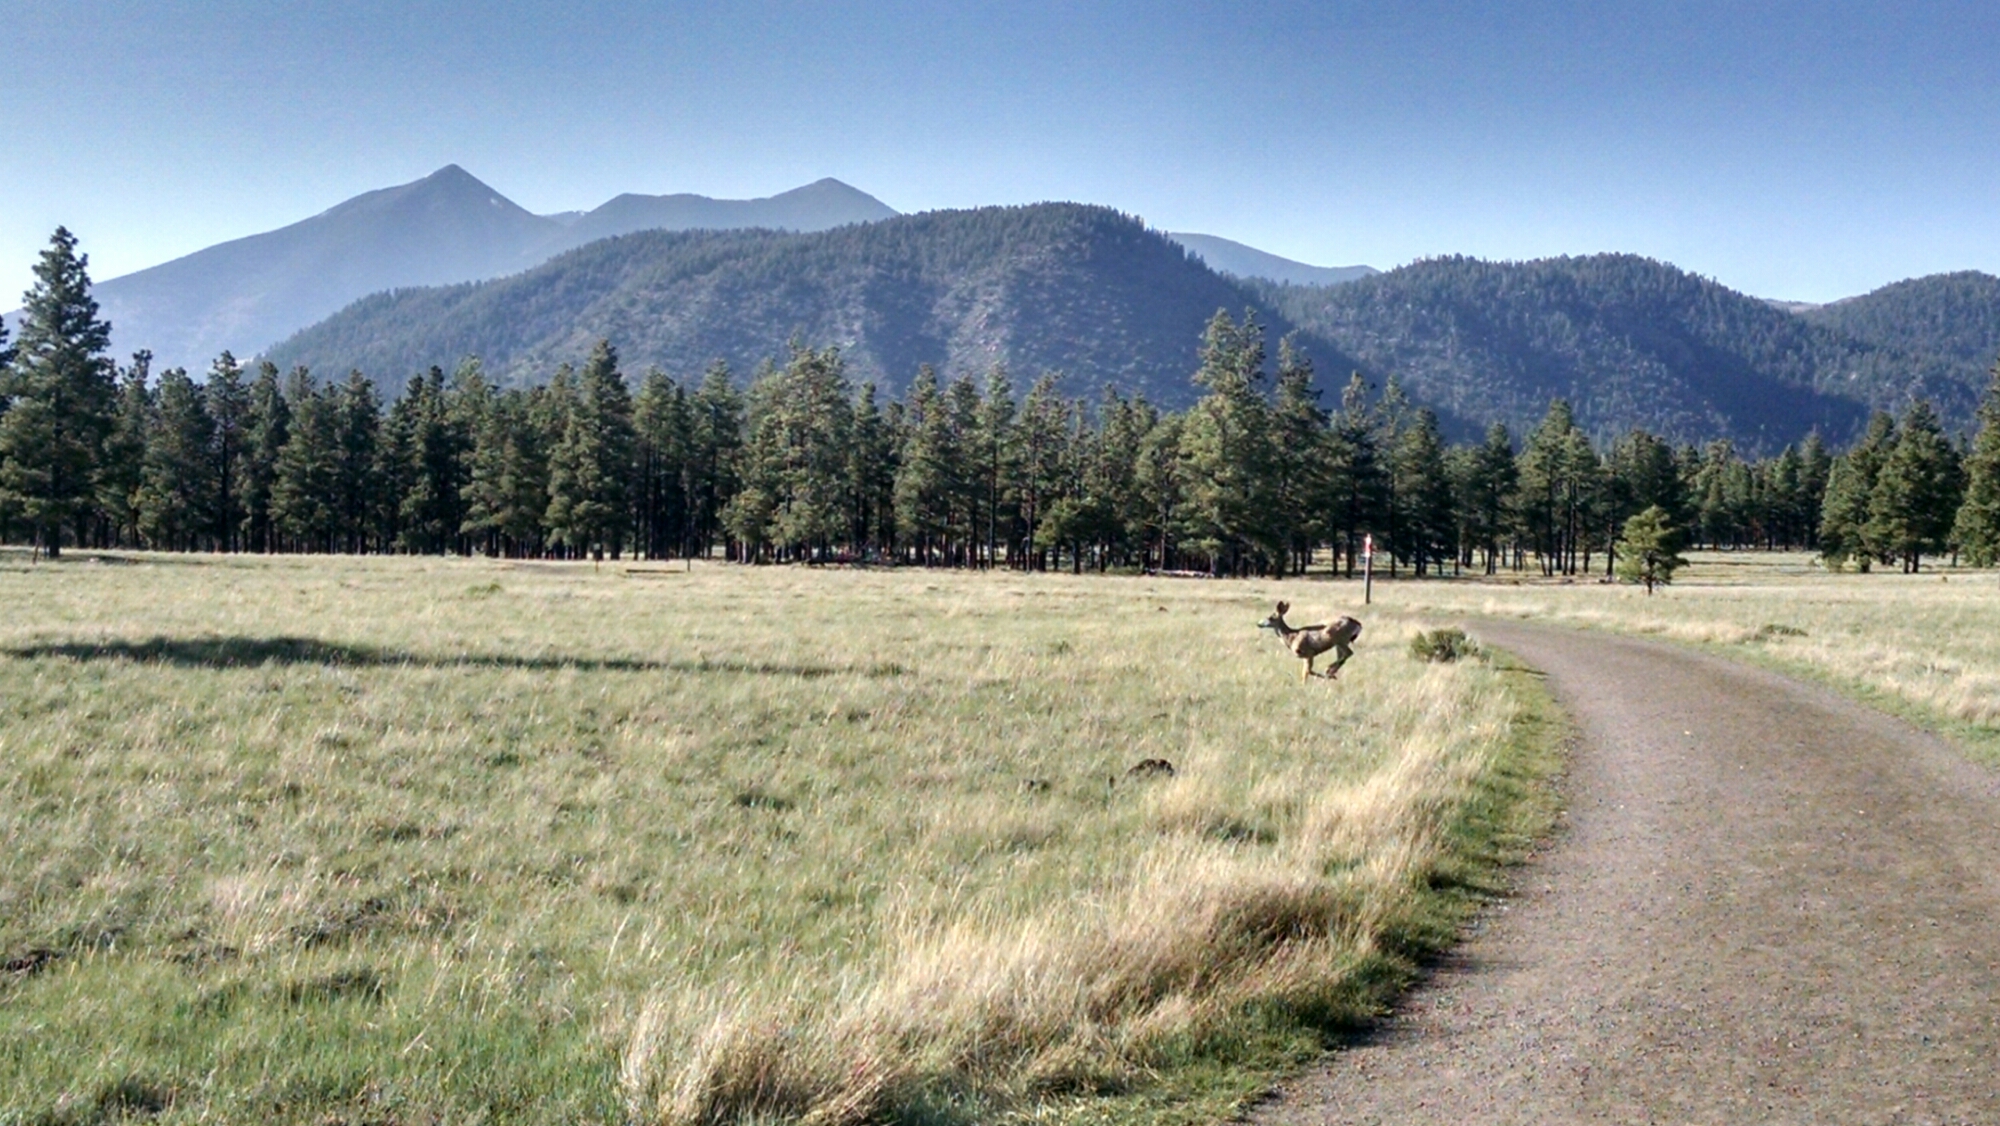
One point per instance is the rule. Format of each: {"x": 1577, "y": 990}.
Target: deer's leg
{"x": 1334, "y": 672}
{"x": 1307, "y": 674}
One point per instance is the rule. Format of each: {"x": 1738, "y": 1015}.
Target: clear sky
{"x": 1805, "y": 151}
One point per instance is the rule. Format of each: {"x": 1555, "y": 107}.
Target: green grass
{"x": 311, "y": 840}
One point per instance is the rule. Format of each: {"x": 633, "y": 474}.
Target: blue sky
{"x": 1806, "y": 151}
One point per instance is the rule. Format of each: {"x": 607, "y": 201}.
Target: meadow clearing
{"x": 396, "y": 840}
{"x": 1926, "y": 646}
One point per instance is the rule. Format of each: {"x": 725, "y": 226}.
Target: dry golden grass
{"x": 312, "y": 840}
{"x": 1926, "y": 643}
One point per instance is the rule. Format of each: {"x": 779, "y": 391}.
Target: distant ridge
{"x": 818, "y": 206}
{"x": 1111, "y": 305}
{"x": 1629, "y": 341}
{"x": 1953, "y": 317}
{"x": 246, "y": 294}
{"x": 1230, "y": 257}
{"x": 1083, "y": 291}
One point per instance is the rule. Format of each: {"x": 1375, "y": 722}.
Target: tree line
{"x": 800, "y": 464}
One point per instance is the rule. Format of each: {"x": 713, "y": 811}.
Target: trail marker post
{"x": 1368, "y": 568}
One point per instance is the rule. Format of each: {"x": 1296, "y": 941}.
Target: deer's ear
{"x": 1284, "y": 607}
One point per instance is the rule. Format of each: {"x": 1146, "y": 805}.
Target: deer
{"x": 1307, "y": 643}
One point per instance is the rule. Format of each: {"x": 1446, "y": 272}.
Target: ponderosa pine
{"x": 59, "y": 391}
{"x": 1976, "y": 528}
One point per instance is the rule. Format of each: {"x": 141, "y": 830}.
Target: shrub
{"x": 1442, "y": 646}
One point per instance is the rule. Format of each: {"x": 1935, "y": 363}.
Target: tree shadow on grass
{"x": 252, "y": 652}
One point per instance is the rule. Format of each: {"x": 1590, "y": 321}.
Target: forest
{"x": 799, "y": 464}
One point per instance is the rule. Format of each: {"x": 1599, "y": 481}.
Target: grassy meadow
{"x": 397, "y": 840}
{"x": 1925, "y": 645}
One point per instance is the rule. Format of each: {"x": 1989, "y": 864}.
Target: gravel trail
{"x": 1767, "y": 905}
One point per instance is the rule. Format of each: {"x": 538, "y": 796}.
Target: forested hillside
{"x": 1084, "y": 291}
{"x": 1628, "y": 340}
{"x": 1106, "y": 302}
{"x": 1953, "y": 320}
{"x": 1255, "y": 476}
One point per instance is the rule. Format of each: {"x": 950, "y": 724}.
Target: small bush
{"x": 1442, "y": 646}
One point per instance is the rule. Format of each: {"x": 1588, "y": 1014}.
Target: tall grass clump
{"x": 1091, "y": 994}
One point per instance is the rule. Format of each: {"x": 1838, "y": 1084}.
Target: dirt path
{"x": 1769, "y": 905}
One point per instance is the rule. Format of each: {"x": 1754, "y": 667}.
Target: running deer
{"x": 1309, "y": 642}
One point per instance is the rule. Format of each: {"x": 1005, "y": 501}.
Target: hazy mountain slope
{"x": 818, "y": 206}
{"x": 448, "y": 227}
{"x": 246, "y": 294}
{"x": 1230, "y": 257}
{"x": 1954, "y": 317}
{"x": 1064, "y": 287}
{"x": 1628, "y": 340}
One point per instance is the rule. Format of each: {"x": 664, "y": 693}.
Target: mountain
{"x": 818, "y": 206}
{"x": 1954, "y": 318}
{"x": 1081, "y": 290}
{"x": 1230, "y": 257}
{"x": 1100, "y": 298}
{"x": 1629, "y": 341}
{"x": 246, "y": 294}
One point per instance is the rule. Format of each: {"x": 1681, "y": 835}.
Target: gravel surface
{"x": 1767, "y": 905}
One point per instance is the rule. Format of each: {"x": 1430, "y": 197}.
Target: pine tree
{"x": 425, "y": 467}
{"x": 1715, "y": 515}
{"x": 266, "y": 428}
{"x": 358, "y": 493}
{"x": 1916, "y": 495}
{"x": 1850, "y": 483}
{"x": 59, "y": 393}
{"x": 1487, "y": 495}
{"x": 1158, "y": 477}
{"x": 1111, "y": 479}
{"x": 121, "y": 474}
{"x": 589, "y": 465}
{"x": 1547, "y": 490}
{"x": 1392, "y": 417}
{"x": 872, "y": 472}
{"x": 507, "y": 485}
{"x": 659, "y": 500}
{"x": 227, "y": 401}
{"x": 306, "y": 477}
{"x": 1067, "y": 518}
{"x": 1042, "y": 445}
{"x": 177, "y": 488}
{"x": 1226, "y": 442}
{"x": 1640, "y": 473}
{"x": 795, "y": 464}
{"x": 1423, "y": 481}
{"x": 925, "y": 465}
{"x": 1784, "y": 505}
{"x": 715, "y": 447}
{"x": 996, "y": 455}
{"x": 1302, "y": 487}
{"x": 1815, "y": 470}
{"x": 1357, "y": 478}
{"x": 1649, "y": 550}
{"x": 1976, "y": 529}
